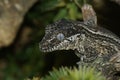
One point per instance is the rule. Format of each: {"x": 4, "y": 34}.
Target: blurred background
{"x": 22, "y": 26}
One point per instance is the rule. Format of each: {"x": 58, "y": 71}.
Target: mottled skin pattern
{"x": 94, "y": 45}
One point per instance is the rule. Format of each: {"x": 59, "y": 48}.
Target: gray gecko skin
{"x": 94, "y": 45}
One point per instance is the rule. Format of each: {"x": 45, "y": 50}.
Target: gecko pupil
{"x": 60, "y": 36}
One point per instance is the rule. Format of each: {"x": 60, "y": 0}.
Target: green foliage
{"x": 70, "y": 11}
{"x": 52, "y": 10}
{"x": 83, "y": 73}
{"x": 27, "y": 62}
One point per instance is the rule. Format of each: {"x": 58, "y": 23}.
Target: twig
{"x": 77, "y": 4}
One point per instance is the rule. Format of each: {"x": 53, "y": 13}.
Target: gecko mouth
{"x": 48, "y": 48}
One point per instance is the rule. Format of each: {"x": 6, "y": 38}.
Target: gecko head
{"x": 60, "y": 35}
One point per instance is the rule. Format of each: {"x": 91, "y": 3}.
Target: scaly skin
{"x": 94, "y": 45}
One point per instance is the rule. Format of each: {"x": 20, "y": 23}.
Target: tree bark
{"x": 11, "y": 16}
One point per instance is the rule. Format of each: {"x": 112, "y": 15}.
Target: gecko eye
{"x": 60, "y": 36}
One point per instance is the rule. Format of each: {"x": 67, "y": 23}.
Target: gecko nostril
{"x": 43, "y": 47}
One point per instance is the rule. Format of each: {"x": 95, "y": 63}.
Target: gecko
{"x": 93, "y": 44}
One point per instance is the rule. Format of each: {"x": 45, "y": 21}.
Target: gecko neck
{"x": 100, "y": 33}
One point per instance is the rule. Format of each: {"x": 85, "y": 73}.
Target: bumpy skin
{"x": 94, "y": 45}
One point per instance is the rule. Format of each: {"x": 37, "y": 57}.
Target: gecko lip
{"x": 50, "y": 49}
{"x": 46, "y": 49}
